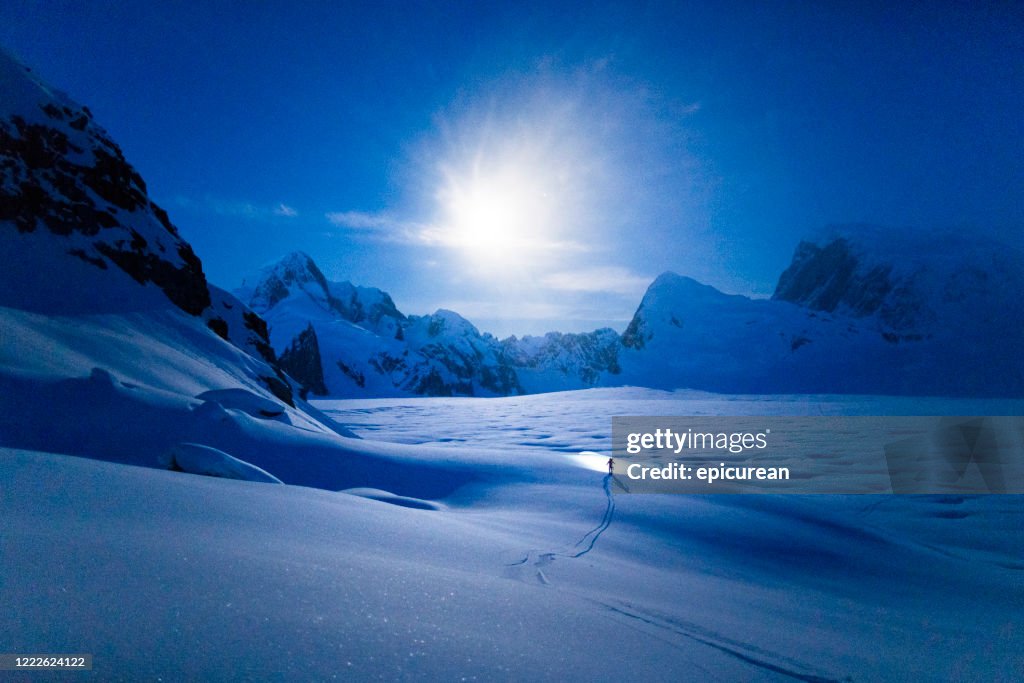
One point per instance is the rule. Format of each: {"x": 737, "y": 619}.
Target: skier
{"x": 611, "y": 465}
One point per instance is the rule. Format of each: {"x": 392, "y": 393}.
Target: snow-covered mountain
{"x": 686, "y": 334}
{"x": 343, "y": 340}
{"x": 110, "y": 335}
{"x": 860, "y": 309}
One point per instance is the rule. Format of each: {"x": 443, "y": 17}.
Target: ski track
{"x": 609, "y": 514}
{"x": 545, "y": 558}
{"x": 746, "y": 653}
{"x": 743, "y": 652}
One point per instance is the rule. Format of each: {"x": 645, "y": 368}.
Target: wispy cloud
{"x": 533, "y": 310}
{"x": 363, "y": 220}
{"x": 609, "y": 279}
{"x": 385, "y": 227}
{"x": 238, "y": 209}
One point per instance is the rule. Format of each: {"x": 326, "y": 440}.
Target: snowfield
{"x": 486, "y": 551}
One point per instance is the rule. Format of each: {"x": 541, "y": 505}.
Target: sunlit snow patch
{"x": 590, "y": 460}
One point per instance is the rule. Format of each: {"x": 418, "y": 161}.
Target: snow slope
{"x": 529, "y": 569}
{"x": 87, "y": 247}
{"x": 686, "y": 334}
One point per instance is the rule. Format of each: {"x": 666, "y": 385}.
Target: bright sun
{"x": 501, "y": 219}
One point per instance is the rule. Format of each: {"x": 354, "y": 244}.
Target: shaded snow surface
{"x": 525, "y": 567}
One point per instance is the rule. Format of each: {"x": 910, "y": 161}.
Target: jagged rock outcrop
{"x": 909, "y": 284}
{"x": 302, "y": 361}
{"x": 558, "y": 360}
{"x": 83, "y": 233}
{"x": 60, "y": 172}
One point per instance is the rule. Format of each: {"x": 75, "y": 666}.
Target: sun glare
{"x": 498, "y": 219}
{"x": 518, "y": 186}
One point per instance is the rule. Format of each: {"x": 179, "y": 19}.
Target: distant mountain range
{"x": 860, "y": 309}
{"x": 341, "y": 340}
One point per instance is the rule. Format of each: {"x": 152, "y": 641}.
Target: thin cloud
{"x": 472, "y": 309}
{"x": 385, "y": 227}
{"x": 603, "y": 279}
{"x": 359, "y": 220}
{"x": 237, "y": 209}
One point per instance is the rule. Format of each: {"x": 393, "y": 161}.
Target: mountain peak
{"x": 677, "y": 287}
{"x": 298, "y": 266}
{"x": 276, "y": 281}
{"x": 451, "y": 323}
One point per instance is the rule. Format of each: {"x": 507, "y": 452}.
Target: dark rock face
{"x": 302, "y": 361}
{"x": 634, "y": 337}
{"x": 911, "y": 287}
{"x": 348, "y": 300}
{"x": 356, "y": 376}
{"x": 258, "y": 326}
{"x": 838, "y": 277}
{"x": 279, "y": 387}
{"x": 219, "y": 327}
{"x": 68, "y": 177}
{"x": 61, "y": 174}
{"x": 830, "y": 277}
{"x": 185, "y": 286}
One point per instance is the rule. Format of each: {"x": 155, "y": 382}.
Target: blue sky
{"x": 534, "y": 166}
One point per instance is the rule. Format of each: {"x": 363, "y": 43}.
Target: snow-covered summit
{"x": 297, "y": 281}
{"x": 294, "y": 273}
{"x": 447, "y": 323}
{"x": 341, "y": 339}
{"x": 664, "y": 303}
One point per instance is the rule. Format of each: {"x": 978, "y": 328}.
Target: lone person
{"x": 611, "y": 465}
